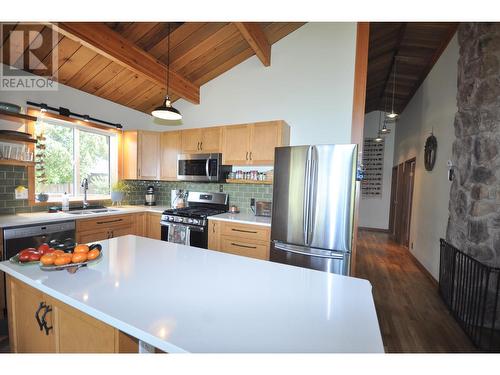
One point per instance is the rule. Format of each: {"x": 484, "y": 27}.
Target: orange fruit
{"x": 79, "y": 257}
{"x": 59, "y": 253}
{"x": 48, "y": 259}
{"x": 62, "y": 260}
{"x": 81, "y": 249}
{"x": 92, "y": 254}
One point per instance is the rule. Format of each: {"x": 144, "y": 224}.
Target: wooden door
{"x": 149, "y": 155}
{"x": 235, "y": 147}
{"x": 392, "y": 208}
{"x": 77, "y": 332}
{"x": 130, "y": 155}
{"x": 190, "y": 140}
{"x": 247, "y": 248}
{"x": 210, "y": 140}
{"x": 170, "y": 147}
{"x": 153, "y": 225}
{"x": 24, "y": 331}
{"x": 409, "y": 177}
{"x": 214, "y": 230}
{"x": 140, "y": 224}
{"x": 263, "y": 139}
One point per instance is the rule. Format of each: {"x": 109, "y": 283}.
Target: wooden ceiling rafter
{"x": 257, "y": 40}
{"x": 102, "y": 39}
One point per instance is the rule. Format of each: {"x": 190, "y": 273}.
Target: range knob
{"x": 178, "y": 219}
{"x": 196, "y": 221}
{"x": 190, "y": 221}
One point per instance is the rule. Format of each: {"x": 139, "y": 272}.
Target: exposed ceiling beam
{"x": 100, "y": 38}
{"x": 255, "y": 37}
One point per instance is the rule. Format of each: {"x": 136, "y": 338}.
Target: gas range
{"x": 190, "y": 215}
{"x": 189, "y": 225}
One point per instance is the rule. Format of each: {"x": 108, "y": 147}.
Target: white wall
{"x": 309, "y": 84}
{"x": 432, "y": 108}
{"x": 84, "y": 103}
{"x": 374, "y": 212}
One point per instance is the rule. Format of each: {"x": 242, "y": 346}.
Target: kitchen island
{"x": 184, "y": 299}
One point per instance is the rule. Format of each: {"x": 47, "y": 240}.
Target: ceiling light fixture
{"x": 166, "y": 111}
{"x": 379, "y": 138}
{"x": 393, "y": 114}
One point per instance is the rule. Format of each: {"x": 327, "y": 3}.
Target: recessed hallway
{"x": 411, "y": 314}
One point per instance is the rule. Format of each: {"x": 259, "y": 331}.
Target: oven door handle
{"x": 207, "y": 167}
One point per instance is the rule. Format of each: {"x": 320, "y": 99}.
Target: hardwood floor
{"x": 412, "y": 316}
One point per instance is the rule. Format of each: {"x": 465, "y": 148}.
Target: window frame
{"x": 115, "y": 157}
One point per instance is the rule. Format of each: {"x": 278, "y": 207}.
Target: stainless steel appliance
{"x": 189, "y": 225}
{"x": 263, "y": 208}
{"x": 201, "y": 167}
{"x": 313, "y": 206}
{"x": 150, "y": 199}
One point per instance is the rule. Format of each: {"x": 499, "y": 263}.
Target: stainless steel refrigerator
{"x": 313, "y": 206}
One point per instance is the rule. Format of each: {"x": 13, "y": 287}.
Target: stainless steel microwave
{"x": 201, "y": 167}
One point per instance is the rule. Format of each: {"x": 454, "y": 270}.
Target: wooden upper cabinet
{"x": 235, "y": 144}
{"x": 141, "y": 151}
{"x": 170, "y": 146}
{"x": 201, "y": 141}
{"x": 254, "y": 144}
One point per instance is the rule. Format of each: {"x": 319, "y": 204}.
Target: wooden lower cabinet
{"x": 153, "y": 225}
{"x": 69, "y": 330}
{"x": 239, "y": 239}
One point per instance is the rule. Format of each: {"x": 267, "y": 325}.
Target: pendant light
{"x": 166, "y": 111}
{"x": 393, "y": 114}
{"x": 385, "y": 130}
{"x": 379, "y": 136}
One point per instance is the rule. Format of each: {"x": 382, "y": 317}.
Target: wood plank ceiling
{"x": 415, "y": 47}
{"x": 199, "y": 52}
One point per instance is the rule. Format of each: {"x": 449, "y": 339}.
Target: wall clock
{"x": 430, "y": 151}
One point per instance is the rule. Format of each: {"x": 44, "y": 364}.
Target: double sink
{"x": 90, "y": 211}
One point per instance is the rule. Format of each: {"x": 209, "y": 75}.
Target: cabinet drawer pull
{"x": 244, "y": 231}
{"x": 109, "y": 221}
{"x": 44, "y": 322}
{"x": 245, "y": 246}
{"x": 37, "y": 315}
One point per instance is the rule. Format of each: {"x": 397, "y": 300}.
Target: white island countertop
{"x": 185, "y": 299}
{"x": 243, "y": 218}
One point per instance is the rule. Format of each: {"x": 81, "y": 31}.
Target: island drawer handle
{"x": 245, "y": 246}
{"x": 109, "y": 221}
{"x": 44, "y": 322}
{"x": 244, "y": 231}
{"x": 37, "y": 315}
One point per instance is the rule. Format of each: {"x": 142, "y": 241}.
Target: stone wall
{"x": 474, "y": 221}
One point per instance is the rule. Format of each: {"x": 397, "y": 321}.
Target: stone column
{"x": 474, "y": 221}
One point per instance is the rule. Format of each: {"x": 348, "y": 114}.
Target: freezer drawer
{"x": 316, "y": 259}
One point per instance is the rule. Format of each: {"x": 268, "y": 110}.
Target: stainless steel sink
{"x": 89, "y": 212}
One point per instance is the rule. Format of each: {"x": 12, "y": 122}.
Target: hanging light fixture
{"x": 393, "y": 114}
{"x": 166, "y": 111}
{"x": 385, "y": 130}
{"x": 379, "y": 136}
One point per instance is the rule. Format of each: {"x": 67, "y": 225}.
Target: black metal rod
{"x": 69, "y": 113}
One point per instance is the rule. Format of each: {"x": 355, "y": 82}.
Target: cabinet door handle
{"x": 201, "y": 145}
{"x": 244, "y": 231}
{"x": 198, "y": 146}
{"x": 37, "y": 315}
{"x": 245, "y": 246}
{"x": 44, "y": 322}
{"x": 250, "y": 155}
{"x": 246, "y": 157}
{"x": 109, "y": 221}
{"x": 140, "y": 172}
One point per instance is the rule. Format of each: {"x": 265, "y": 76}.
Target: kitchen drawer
{"x": 107, "y": 222}
{"x": 238, "y": 246}
{"x": 246, "y": 231}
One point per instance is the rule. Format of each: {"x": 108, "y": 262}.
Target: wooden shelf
{"x": 17, "y": 162}
{"x": 17, "y": 117}
{"x": 13, "y": 138}
{"x": 251, "y": 182}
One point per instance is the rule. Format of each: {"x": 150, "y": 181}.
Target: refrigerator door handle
{"x": 307, "y": 190}
{"x": 312, "y": 201}
{"x": 313, "y": 253}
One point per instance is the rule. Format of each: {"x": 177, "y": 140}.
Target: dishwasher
{"x": 60, "y": 235}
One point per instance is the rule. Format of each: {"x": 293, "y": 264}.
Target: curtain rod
{"x": 66, "y": 112}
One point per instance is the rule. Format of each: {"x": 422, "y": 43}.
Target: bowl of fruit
{"x": 81, "y": 256}
{"x": 31, "y": 255}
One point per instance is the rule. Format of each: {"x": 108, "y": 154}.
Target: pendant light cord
{"x": 168, "y": 57}
{"x": 394, "y": 82}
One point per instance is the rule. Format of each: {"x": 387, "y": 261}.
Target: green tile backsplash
{"x": 239, "y": 194}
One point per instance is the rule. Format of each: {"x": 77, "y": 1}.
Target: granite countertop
{"x": 243, "y": 218}
{"x": 210, "y": 301}
{"x": 7, "y": 221}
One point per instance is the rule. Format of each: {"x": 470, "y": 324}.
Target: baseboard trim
{"x": 374, "y": 229}
{"x": 424, "y": 270}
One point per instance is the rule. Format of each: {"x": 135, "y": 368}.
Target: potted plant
{"x": 118, "y": 191}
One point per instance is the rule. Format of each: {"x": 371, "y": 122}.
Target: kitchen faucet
{"x": 85, "y": 186}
